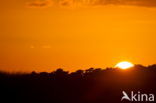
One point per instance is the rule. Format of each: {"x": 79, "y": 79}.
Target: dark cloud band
{"x": 47, "y": 3}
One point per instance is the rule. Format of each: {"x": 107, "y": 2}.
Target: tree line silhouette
{"x": 94, "y": 85}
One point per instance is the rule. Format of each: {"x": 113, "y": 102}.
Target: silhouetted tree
{"x": 94, "y": 85}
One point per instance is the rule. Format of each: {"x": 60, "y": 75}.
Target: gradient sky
{"x": 76, "y": 34}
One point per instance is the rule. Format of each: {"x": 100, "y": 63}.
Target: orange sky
{"x": 46, "y": 35}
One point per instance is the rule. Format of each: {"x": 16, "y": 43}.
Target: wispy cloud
{"x": 48, "y": 3}
{"x": 40, "y": 4}
{"x": 146, "y": 3}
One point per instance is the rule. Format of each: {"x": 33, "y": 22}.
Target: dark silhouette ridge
{"x": 82, "y": 86}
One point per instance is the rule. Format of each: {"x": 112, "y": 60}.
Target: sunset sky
{"x": 44, "y": 35}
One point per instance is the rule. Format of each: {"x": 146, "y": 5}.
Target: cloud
{"x": 40, "y": 4}
{"x": 145, "y": 3}
{"x": 48, "y": 3}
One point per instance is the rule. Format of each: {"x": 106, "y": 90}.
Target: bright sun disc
{"x": 124, "y": 65}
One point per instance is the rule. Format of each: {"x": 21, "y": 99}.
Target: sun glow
{"x": 124, "y": 65}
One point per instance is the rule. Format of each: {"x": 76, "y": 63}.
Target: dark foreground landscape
{"x": 83, "y": 86}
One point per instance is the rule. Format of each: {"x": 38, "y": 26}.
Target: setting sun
{"x": 124, "y": 65}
